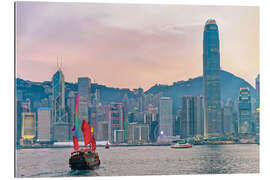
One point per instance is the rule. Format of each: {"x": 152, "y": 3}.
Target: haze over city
{"x": 131, "y": 46}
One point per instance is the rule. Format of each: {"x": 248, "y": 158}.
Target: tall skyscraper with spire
{"x": 60, "y": 123}
{"x": 211, "y": 79}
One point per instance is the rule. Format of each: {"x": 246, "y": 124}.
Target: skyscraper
{"x": 84, "y": 92}
{"x": 165, "y": 116}
{"x": 187, "y": 117}
{"x": 211, "y": 79}
{"x": 199, "y": 115}
{"x": 244, "y": 111}
{"x": 60, "y": 124}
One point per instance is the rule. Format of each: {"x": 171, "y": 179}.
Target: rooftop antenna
{"x": 57, "y": 61}
{"x": 61, "y": 63}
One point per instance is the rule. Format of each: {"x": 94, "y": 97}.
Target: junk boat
{"x": 181, "y": 146}
{"x": 83, "y": 159}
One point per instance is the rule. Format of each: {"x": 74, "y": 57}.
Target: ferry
{"x": 181, "y": 146}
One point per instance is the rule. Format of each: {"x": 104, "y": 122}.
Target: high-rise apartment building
{"x": 211, "y": 78}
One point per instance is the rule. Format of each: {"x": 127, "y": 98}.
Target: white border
{"x": 7, "y": 86}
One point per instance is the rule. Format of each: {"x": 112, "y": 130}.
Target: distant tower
{"x": 211, "y": 79}
{"x": 60, "y": 123}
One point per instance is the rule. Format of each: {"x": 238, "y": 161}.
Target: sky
{"x": 131, "y": 45}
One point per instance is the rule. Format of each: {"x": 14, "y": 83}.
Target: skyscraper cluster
{"x": 140, "y": 117}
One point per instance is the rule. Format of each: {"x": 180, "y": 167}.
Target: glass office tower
{"x": 211, "y": 79}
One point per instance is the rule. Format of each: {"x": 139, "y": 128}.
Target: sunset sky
{"x": 131, "y": 46}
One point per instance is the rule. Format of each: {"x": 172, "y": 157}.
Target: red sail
{"x": 75, "y": 142}
{"x": 86, "y": 129}
{"x": 93, "y": 143}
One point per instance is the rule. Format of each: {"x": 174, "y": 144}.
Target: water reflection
{"x": 219, "y": 159}
{"x": 83, "y": 173}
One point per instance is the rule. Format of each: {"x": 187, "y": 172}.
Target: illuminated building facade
{"x": 28, "y": 127}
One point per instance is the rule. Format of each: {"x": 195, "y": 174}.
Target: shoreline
{"x": 116, "y": 145}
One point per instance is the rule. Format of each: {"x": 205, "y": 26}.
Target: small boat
{"x": 107, "y": 146}
{"x": 181, "y": 146}
{"x": 85, "y": 159}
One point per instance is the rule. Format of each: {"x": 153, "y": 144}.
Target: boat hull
{"x": 181, "y": 147}
{"x": 84, "y": 161}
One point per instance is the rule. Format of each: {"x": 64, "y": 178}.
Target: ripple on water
{"x": 143, "y": 160}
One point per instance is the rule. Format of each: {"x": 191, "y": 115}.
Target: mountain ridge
{"x": 230, "y": 86}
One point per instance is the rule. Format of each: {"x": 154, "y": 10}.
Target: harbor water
{"x": 143, "y": 160}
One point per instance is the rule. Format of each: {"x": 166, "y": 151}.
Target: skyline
{"x": 139, "y": 41}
